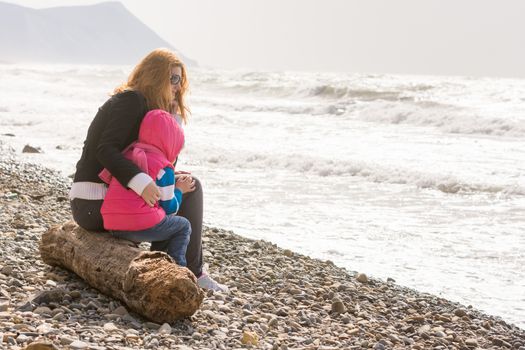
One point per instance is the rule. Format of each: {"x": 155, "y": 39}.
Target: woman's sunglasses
{"x": 175, "y": 79}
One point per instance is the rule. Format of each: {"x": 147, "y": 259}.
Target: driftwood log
{"x": 149, "y": 283}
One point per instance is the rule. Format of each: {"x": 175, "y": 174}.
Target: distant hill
{"x": 105, "y": 33}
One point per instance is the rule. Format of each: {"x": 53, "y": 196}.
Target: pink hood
{"x": 160, "y": 129}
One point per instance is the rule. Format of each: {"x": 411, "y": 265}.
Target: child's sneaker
{"x": 205, "y": 281}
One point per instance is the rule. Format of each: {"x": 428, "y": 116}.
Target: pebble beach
{"x": 278, "y": 299}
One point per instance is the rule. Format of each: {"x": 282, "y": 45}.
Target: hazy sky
{"x": 453, "y": 37}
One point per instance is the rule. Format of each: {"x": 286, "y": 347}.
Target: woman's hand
{"x": 151, "y": 194}
{"x": 182, "y": 172}
{"x": 185, "y": 183}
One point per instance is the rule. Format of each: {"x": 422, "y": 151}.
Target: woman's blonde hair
{"x": 151, "y": 77}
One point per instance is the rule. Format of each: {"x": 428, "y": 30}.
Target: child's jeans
{"x": 171, "y": 235}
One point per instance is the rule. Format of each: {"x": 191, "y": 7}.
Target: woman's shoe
{"x": 207, "y": 282}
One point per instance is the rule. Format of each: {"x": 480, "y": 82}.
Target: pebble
{"x": 121, "y": 311}
{"x": 408, "y": 341}
{"x": 110, "y": 327}
{"x": 42, "y": 310}
{"x": 44, "y": 328}
{"x": 78, "y": 345}
{"x": 41, "y": 346}
{"x": 153, "y": 344}
{"x": 460, "y": 312}
{"x": 51, "y": 283}
{"x": 75, "y": 294}
{"x": 273, "y": 322}
{"x": 338, "y": 306}
{"x": 4, "y": 305}
{"x": 21, "y": 339}
{"x": 65, "y": 340}
{"x": 249, "y": 338}
{"x": 282, "y": 312}
{"x": 164, "y": 329}
{"x": 393, "y": 338}
{"x": 361, "y": 277}
{"x": 31, "y": 149}
{"x": 440, "y": 334}
{"x": 59, "y": 316}
{"x": 49, "y": 296}
{"x": 471, "y": 342}
{"x": 379, "y": 346}
{"x": 151, "y": 325}
{"x": 6, "y": 270}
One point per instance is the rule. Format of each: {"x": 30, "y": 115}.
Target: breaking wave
{"x": 300, "y": 164}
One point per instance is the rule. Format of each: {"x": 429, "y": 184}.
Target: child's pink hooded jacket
{"x": 159, "y": 143}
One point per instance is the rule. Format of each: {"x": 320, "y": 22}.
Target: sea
{"x": 416, "y": 178}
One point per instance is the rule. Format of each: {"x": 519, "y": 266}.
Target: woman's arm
{"x": 124, "y": 117}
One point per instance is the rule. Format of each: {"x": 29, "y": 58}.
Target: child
{"x": 127, "y": 215}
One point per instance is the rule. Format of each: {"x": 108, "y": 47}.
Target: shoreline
{"x": 286, "y": 299}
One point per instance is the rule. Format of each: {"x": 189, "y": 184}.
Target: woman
{"x": 159, "y": 81}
